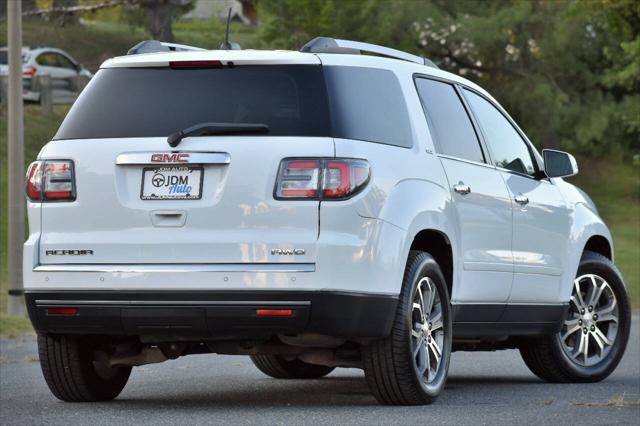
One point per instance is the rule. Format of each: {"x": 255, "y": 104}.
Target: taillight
{"x": 34, "y": 181}
{"x": 51, "y": 180}
{"x": 325, "y": 179}
{"x": 29, "y": 71}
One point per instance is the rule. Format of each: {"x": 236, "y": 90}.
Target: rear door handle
{"x": 521, "y": 199}
{"x": 461, "y": 188}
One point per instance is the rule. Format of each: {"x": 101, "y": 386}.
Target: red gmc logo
{"x": 170, "y": 158}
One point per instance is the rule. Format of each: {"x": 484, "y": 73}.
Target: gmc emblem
{"x": 170, "y": 158}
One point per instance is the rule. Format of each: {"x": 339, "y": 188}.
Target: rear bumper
{"x": 189, "y": 315}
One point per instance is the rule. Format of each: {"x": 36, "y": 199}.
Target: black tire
{"x": 389, "y": 364}
{"x": 68, "y": 368}
{"x": 546, "y": 357}
{"x": 279, "y": 368}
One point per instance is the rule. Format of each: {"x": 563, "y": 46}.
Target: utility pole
{"x": 15, "y": 159}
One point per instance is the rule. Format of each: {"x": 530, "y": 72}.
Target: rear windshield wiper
{"x": 204, "y": 129}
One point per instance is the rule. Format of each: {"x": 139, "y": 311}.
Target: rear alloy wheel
{"x": 428, "y": 330}
{"x": 595, "y": 332}
{"x": 410, "y": 366}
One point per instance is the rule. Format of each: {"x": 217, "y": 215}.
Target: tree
{"x": 62, "y": 17}
{"x": 158, "y": 16}
{"x": 567, "y": 71}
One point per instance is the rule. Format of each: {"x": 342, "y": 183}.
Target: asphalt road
{"x": 483, "y": 388}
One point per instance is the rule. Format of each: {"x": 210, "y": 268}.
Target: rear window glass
{"x": 149, "y": 102}
{"x": 368, "y": 104}
{"x": 3, "y": 57}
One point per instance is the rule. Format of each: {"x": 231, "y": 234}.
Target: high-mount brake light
{"x": 318, "y": 178}
{"x": 51, "y": 180}
{"x": 195, "y": 64}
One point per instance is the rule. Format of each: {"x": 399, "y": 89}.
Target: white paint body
{"x": 502, "y": 252}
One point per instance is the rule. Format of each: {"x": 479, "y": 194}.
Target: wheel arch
{"x": 599, "y": 244}
{"x": 588, "y": 232}
{"x": 438, "y": 245}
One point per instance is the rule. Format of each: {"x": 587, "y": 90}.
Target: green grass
{"x": 88, "y": 45}
{"x": 93, "y": 43}
{"x": 14, "y": 326}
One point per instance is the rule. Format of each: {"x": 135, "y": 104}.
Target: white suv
{"x": 312, "y": 209}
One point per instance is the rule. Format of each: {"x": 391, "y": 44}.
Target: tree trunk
{"x": 63, "y": 18}
{"x": 159, "y": 17}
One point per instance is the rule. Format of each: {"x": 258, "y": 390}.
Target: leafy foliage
{"x": 568, "y": 71}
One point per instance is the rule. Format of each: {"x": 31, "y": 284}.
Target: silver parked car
{"x": 67, "y": 75}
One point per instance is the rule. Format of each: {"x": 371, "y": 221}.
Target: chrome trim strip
{"x": 144, "y": 158}
{"x": 180, "y": 268}
{"x": 488, "y": 266}
{"x": 45, "y": 303}
{"x": 537, "y": 270}
{"x": 462, "y": 160}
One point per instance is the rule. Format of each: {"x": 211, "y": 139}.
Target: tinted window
{"x": 368, "y": 104}
{"x": 47, "y": 60}
{"x": 64, "y": 62}
{"x": 508, "y": 149}
{"x": 145, "y": 102}
{"x": 448, "y": 120}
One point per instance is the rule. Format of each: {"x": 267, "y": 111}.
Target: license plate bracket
{"x": 172, "y": 183}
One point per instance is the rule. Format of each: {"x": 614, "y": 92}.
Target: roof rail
{"x": 334, "y": 45}
{"x": 155, "y": 46}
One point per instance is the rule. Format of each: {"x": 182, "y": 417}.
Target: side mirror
{"x": 559, "y": 164}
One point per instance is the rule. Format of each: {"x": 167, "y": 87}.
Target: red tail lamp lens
{"x": 28, "y": 71}
{"x": 326, "y": 179}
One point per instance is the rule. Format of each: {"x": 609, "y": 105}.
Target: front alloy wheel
{"x": 589, "y": 332}
{"x": 595, "y": 332}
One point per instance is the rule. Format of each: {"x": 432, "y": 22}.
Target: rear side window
{"x": 155, "y": 102}
{"x": 448, "y": 120}
{"x": 368, "y": 104}
{"x": 508, "y": 149}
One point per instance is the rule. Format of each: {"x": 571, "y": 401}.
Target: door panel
{"x": 484, "y": 232}
{"x": 540, "y": 239}
{"x": 480, "y": 198}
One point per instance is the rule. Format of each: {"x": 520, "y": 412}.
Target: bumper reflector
{"x": 274, "y": 312}
{"x": 62, "y": 311}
